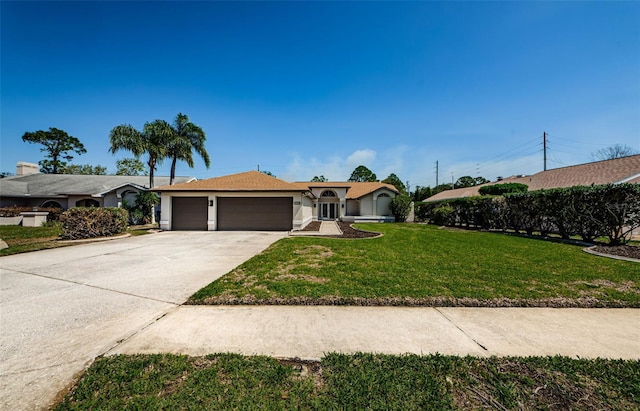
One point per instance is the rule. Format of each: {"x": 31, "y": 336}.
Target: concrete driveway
{"x": 61, "y": 308}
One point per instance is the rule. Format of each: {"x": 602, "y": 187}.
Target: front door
{"x": 329, "y": 211}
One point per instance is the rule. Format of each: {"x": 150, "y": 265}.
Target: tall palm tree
{"x": 152, "y": 141}
{"x": 187, "y": 138}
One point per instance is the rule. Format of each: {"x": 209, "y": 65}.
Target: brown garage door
{"x": 255, "y": 213}
{"x": 189, "y": 213}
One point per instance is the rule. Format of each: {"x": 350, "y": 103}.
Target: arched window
{"x": 88, "y": 202}
{"x": 384, "y": 195}
{"x": 51, "y": 204}
{"x": 328, "y": 193}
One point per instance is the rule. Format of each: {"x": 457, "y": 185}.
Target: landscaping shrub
{"x": 400, "y": 207}
{"x": 502, "y": 189}
{"x": 140, "y": 211}
{"x": 80, "y": 222}
{"x": 443, "y": 215}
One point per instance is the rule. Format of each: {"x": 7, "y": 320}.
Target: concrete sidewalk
{"x": 309, "y": 332}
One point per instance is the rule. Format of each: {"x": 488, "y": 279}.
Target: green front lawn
{"x": 424, "y": 265}
{"x": 354, "y": 382}
{"x": 24, "y": 239}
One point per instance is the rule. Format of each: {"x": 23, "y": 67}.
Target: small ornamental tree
{"x": 400, "y": 207}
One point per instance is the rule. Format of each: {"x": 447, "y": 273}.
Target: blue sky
{"x": 311, "y": 88}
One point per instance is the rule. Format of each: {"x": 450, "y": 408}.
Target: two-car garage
{"x": 233, "y": 213}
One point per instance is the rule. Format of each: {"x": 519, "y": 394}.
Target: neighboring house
{"x": 255, "y": 201}
{"x": 619, "y": 170}
{"x": 29, "y": 188}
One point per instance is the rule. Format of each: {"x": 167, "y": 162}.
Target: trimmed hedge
{"x": 54, "y": 213}
{"x": 80, "y": 222}
{"x": 502, "y": 189}
{"x": 610, "y": 210}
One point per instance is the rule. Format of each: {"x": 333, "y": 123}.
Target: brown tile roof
{"x": 619, "y": 170}
{"x": 355, "y": 190}
{"x": 247, "y": 181}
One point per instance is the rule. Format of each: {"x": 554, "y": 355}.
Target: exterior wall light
{"x": 210, "y": 203}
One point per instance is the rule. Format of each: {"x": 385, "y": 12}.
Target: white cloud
{"x": 334, "y": 168}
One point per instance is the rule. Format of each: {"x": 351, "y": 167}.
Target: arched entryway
{"x": 382, "y": 204}
{"x": 329, "y": 205}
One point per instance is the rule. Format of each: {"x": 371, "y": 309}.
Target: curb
{"x": 589, "y": 250}
{"x": 93, "y": 240}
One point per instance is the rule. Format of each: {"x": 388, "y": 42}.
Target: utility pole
{"x": 408, "y": 187}
{"x": 258, "y": 167}
{"x": 452, "y": 180}
{"x": 436, "y": 173}
{"x": 544, "y": 148}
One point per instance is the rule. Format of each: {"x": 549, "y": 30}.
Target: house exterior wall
{"x": 369, "y": 203}
{"x": 30, "y": 201}
{"x": 299, "y": 213}
{"x": 353, "y": 207}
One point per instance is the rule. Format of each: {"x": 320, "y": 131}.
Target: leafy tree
{"x": 85, "y": 169}
{"x": 4, "y": 174}
{"x": 320, "y": 179}
{"x": 152, "y": 141}
{"x": 440, "y": 188}
{"x": 468, "y": 181}
{"x": 269, "y": 173}
{"x": 465, "y": 181}
{"x": 396, "y": 182}
{"x": 129, "y": 167}
{"x": 400, "y": 207}
{"x": 421, "y": 193}
{"x": 186, "y": 138}
{"x": 614, "y": 151}
{"x": 57, "y": 144}
{"x": 362, "y": 174}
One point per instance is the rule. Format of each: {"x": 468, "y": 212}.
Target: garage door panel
{"x": 189, "y": 213}
{"x": 255, "y": 213}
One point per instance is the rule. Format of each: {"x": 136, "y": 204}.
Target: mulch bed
{"x": 312, "y": 226}
{"x": 629, "y": 251}
{"x": 350, "y": 232}
{"x": 347, "y": 230}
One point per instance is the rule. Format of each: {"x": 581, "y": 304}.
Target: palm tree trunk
{"x": 173, "y": 170}
{"x": 152, "y": 166}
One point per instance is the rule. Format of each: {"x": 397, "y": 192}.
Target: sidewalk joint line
{"x": 461, "y": 330}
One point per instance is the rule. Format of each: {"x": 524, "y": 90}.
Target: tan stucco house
{"x": 255, "y": 201}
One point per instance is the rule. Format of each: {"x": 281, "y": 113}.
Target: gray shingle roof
{"x": 618, "y": 170}
{"x": 50, "y": 185}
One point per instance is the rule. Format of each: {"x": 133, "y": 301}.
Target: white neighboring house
{"x": 30, "y": 188}
{"x": 255, "y": 201}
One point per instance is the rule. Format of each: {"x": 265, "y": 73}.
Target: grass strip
{"x": 423, "y": 265}
{"x": 358, "y": 381}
